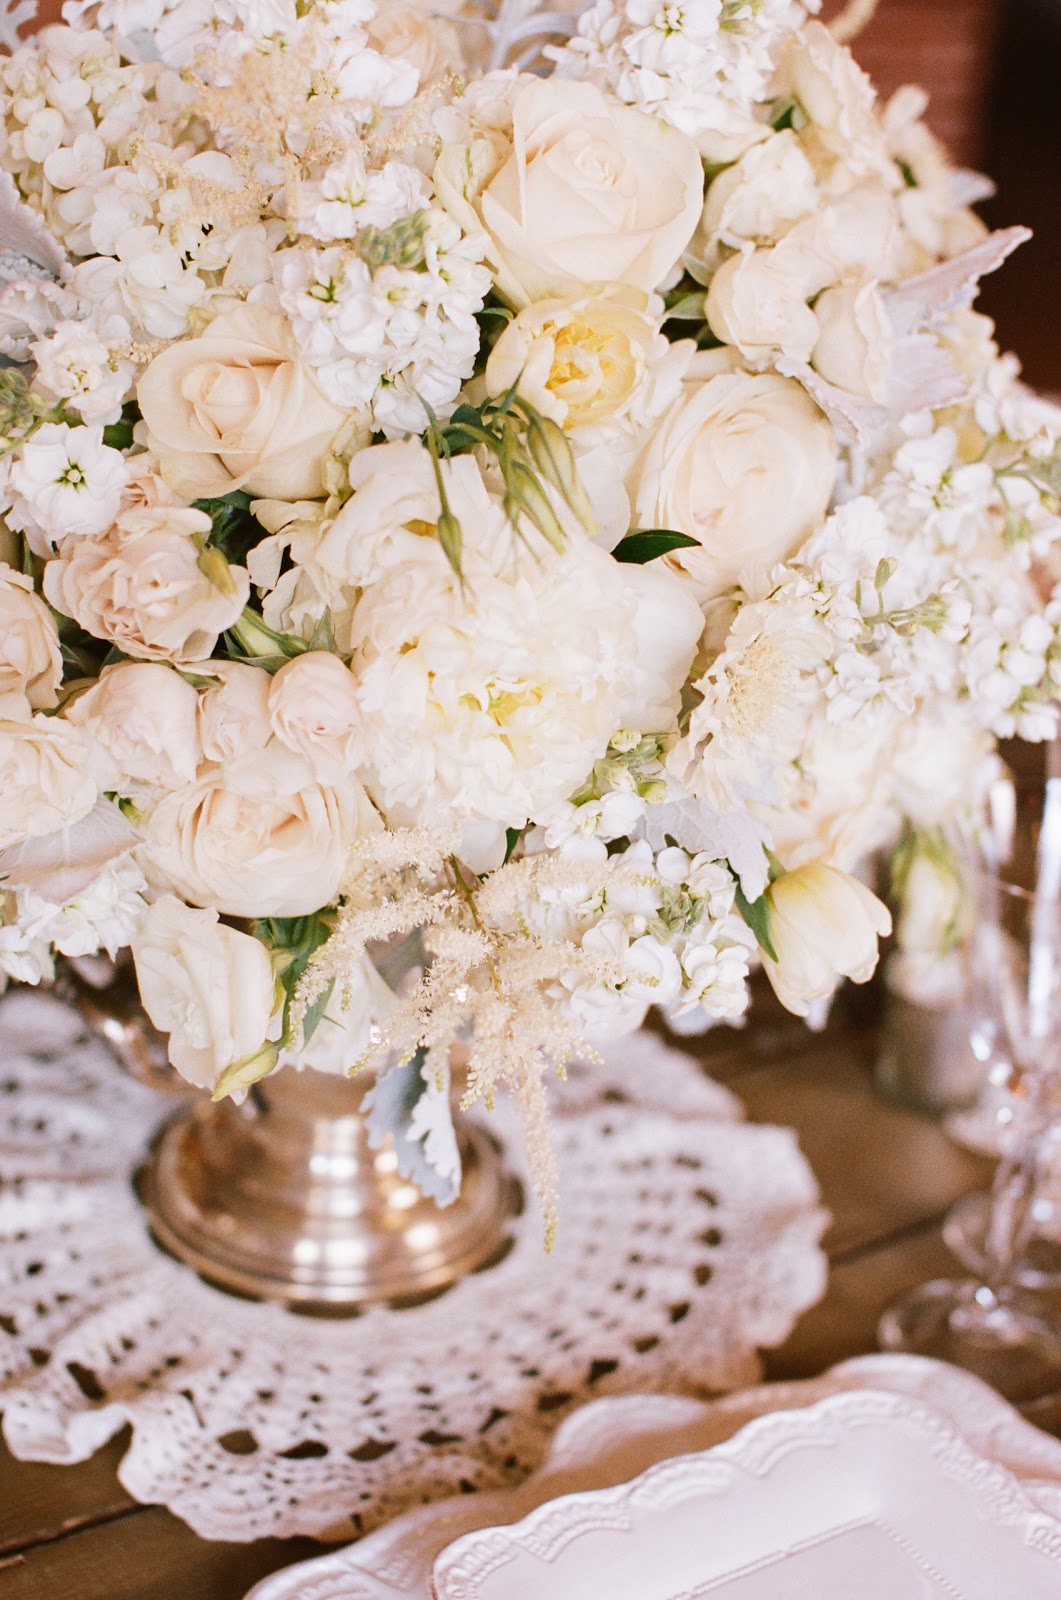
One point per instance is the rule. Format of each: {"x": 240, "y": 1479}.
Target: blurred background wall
{"x": 993, "y": 70}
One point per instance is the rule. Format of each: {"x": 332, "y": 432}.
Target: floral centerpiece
{"x": 489, "y": 551}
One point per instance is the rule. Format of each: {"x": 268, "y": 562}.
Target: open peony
{"x": 486, "y": 702}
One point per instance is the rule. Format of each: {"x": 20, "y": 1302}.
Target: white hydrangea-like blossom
{"x": 387, "y": 337}
{"x": 701, "y": 65}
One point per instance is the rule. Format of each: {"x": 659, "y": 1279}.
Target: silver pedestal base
{"x": 282, "y": 1199}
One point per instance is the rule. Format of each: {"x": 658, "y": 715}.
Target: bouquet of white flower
{"x": 530, "y": 537}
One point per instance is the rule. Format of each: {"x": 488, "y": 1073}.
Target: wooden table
{"x": 887, "y": 1175}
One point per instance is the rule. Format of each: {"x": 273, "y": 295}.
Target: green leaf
{"x": 756, "y": 914}
{"x": 315, "y": 1013}
{"x": 645, "y": 544}
{"x": 512, "y": 838}
{"x": 687, "y": 308}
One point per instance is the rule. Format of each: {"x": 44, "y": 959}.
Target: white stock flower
{"x": 702, "y": 67}
{"x": 76, "y": 364}
{"x": 208, "y": 986}
{"x": 66, "y": 482}
{"x": 824, "y": 925}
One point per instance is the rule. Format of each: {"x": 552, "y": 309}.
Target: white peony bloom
{"x": 824, "y": 925}
{"x": 210, "y": 987}
{"x": 483, "y": 703}
{"x": 66, "y": 482}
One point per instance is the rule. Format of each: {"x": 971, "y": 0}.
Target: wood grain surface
{"x": 887, "y": 1176}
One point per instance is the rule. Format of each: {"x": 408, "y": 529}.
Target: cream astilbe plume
{"x": 491, "y": 976}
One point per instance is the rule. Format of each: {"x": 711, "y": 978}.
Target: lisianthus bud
{"x": 824, "y": 925}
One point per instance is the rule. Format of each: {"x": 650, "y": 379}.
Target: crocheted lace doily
{"x": 687, "y": 1240}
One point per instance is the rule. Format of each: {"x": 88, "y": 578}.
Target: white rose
{"x": 855, "y": 341}
{"x": 141, "y": 587}
{"x": 258, "y": 838}
{"x": 586, "y": 361}
{"x": 585, "y": 191}
{"x": 757, "y": 304}
{"x": 417, "y": 35}
{"x": 313, "y": 711}
{"x": 238, "y": 409}
{"x": 824, "y": 925}
{"x": 233, "y": 710}
{"x": 50, "y": 777}
{"x": 762, "y": 194}
{"x": 210, "y": 987}
{"x": 144, "y": 714}
{"x": 746, "y": 465}
{"x": 31, "y": 663}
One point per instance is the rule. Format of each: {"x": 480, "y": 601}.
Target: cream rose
{"x": 584, "y": 361}
{"x": 418, "y": 35}
{"x": 233, "y": 710}
{"x": 762, "y": 194}
{"x": 313, "y": 710}
{"x": 145, "y": 716}
{"x": 238, "y": 409}
{"x": 50, "y": 776}
{"x": 140, "y": 585}
{"x": 584, "y": 191}
{"x": 824, "y": 925}
{"x": 257, "y": 838}
{"x": 746, "y": 465}
{"x": 758, "y": 303}
{"x": 210, "y": 987}
{"x": 31, "y": 663}
{"x": 855, "y": 342}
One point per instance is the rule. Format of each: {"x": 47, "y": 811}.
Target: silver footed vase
{"x": 283, "y": 1198}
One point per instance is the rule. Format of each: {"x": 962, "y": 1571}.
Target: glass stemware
{"x": 988, "y": 1323}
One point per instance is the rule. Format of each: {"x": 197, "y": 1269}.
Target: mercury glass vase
{"x": 283, "y": 1197}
